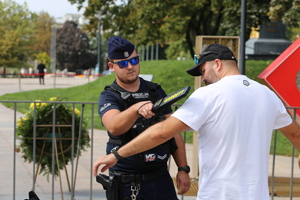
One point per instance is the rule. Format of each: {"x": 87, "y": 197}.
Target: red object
{"x": 281, "y": 75}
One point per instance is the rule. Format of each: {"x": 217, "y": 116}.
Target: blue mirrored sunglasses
{"x": 198, "y": 56}
{"x": 124, "y": 63}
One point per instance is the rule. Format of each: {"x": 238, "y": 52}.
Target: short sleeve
{"x": 108, "y": 100}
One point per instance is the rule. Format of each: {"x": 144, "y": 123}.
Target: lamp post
{"x": 99, "y": 40}
{"x": 242, "y": 40}
{"x": 53, "y": 52}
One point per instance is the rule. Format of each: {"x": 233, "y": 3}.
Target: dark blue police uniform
{"x": 151, "y": 166}
{"x": 144, "y": 175}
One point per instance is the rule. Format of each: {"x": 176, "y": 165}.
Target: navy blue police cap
{"x": 119, "y": 48}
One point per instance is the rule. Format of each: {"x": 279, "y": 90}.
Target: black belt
{"x": 127, "y": 177}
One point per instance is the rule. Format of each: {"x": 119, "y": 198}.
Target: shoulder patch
{"x": 104, "y": 107}
{"x": 246, "y": 83}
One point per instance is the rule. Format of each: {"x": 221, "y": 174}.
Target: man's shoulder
{"x": 150, "y": 85}
{"x": 109, "y": 91}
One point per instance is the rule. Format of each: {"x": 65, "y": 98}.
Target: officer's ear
{"x": 111, "y": 66}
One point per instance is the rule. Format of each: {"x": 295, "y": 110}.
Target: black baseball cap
{"x": 119, "y": 48}
{"x": 212, "y": 52}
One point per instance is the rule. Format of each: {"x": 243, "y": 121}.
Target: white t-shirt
{"x": 234, "y": 118}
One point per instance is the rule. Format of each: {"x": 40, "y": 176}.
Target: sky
{"x": 55, "y": 8}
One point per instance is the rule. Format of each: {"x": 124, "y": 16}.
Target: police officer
{"x": 125, "y": 110}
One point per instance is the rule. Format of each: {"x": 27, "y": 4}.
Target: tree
{"x": 287, "y": 11}
{"x": 43, "y": 34}
{"x": 147, "y": 22}
{"x": 16, "y": 30}
{"x": 72, "y": 50}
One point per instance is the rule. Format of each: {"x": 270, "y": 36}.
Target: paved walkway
{"x": 43, "y": 188}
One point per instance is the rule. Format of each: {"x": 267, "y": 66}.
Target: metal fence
{"x": 18, "y": 177}
{"x": 22, "y": 177}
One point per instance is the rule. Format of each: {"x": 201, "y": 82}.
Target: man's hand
{"x": 183, "y": 182}
{"x": 145, "y": 109}
{"x": 108, "y": 161}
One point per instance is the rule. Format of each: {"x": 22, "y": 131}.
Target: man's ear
{"x": 219, "y": 65}
{"x": 111, "y": 66}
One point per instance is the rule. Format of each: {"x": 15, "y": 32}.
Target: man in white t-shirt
{"x": 234, "y": 117}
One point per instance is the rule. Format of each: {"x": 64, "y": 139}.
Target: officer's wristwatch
{"x": 185, "y": 168}
{"x": 117, "y": 155}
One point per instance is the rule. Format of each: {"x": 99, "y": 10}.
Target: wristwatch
{"x": 185, "y": 168}
{"x": 117, "y": 155}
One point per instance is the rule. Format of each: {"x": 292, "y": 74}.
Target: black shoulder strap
{"x": 152, "y": 86}
{"x": 113, "y": 87}
{"x": 116, "y": 88}
{"x": 127, "y": 95}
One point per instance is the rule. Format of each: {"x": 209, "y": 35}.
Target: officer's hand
{"x": 108, "y": 161}
{"x": 144, "y": 109}
{"x": 183, "y": 182}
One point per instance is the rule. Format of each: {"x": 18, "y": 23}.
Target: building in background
{"x": 79, "y": 19}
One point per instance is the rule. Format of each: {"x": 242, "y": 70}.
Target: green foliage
{"x": 256, "y": 15}
{"x": 176, "y": 49}
{"x": 44, "y": 116}
{"x": 42, "y": 34}
{"x": 16, "y": 30}
{"x": 293, "y": 33}
{"x": 286, "y": 10}
{"x": 164, "y": 22}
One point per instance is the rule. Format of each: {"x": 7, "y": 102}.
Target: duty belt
{"x": 127, "y": 177}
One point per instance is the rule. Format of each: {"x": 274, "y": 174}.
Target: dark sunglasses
{"x": 124, "y": 63}
{"x": 198, "y": 56}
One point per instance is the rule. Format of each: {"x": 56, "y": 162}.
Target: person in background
{"x": 234, "y": 117}
{"x": 30, "y": 71}
{"x": 41, "y": 70}
{"x": 125, "y": 111}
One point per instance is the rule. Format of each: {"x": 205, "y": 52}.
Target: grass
{"x": 170, "y": 74}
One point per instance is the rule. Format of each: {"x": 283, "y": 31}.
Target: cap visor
{"x": 195, "y": 71}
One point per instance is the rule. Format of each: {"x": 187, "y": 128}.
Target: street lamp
{"x": 53, "y": 52}
{"x": 242, "y": 40}
{"x": 98, "y": 15}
